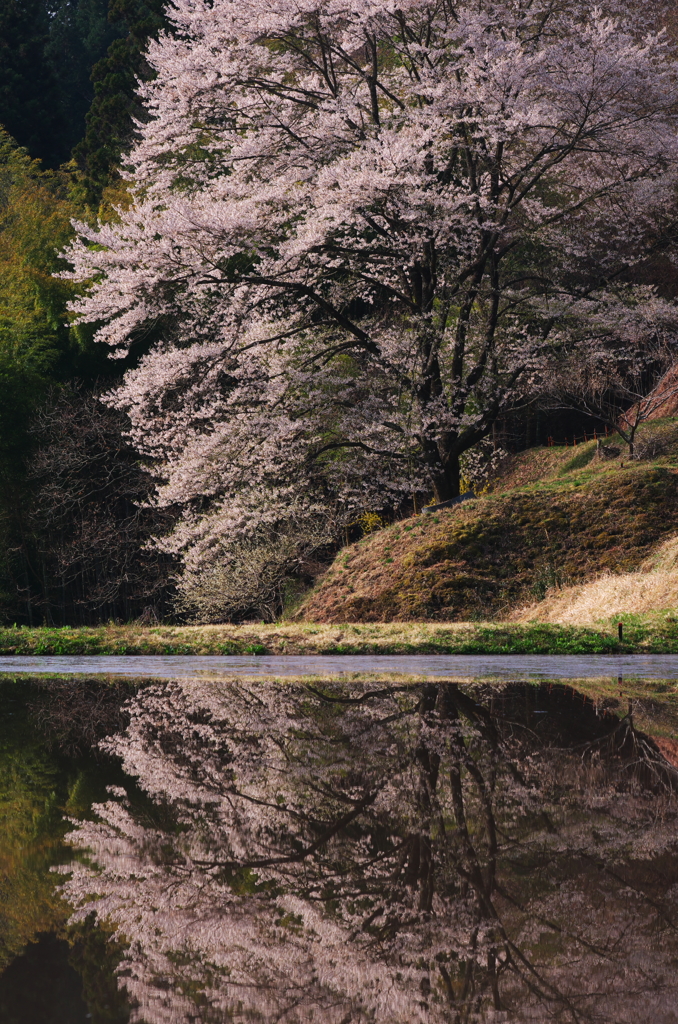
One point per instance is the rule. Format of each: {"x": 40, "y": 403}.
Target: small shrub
{"x": 370, "y": 522}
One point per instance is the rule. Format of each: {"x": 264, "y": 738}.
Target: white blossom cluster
{"x": 358, "y": 232}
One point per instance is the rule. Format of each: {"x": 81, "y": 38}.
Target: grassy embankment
{"x": 395, "y": 638}
{"x": 657, "y": 636}
{"x": 555, "y": 519}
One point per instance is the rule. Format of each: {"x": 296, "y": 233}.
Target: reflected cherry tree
{"x": 399, "y": 854}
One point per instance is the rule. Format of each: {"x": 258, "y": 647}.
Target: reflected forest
{"x": 396, "y": 853}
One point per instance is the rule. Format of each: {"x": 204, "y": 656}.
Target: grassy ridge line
{"x": 393, "y": 638}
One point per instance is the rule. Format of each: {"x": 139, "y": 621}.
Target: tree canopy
{"x": 359, "y": 234}
{"x": 35, "y": 338}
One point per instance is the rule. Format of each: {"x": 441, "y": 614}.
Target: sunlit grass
{"x": 658, "y": 635}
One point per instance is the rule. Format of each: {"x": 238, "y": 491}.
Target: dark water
{"x": 342, "y": 852}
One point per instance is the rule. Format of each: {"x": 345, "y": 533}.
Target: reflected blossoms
{"x": 396, "y": 854}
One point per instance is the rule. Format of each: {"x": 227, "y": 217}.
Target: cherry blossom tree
{"x": 358, "y": 230}
{"x": 391, "y": 854}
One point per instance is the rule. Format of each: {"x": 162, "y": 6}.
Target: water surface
{"x": 454, "y": 666}
{"x": 338, "y": 851}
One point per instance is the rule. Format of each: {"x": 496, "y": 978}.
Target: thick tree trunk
{"x": 446, "y": 483}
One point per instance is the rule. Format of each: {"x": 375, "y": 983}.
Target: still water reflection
{"x": 365, "y": 853}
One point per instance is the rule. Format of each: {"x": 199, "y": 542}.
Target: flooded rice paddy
{"x": 336, "y": 850}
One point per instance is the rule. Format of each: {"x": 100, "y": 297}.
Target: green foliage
{"x": 34, "y": 790}
{"x": 79, "y": 36}
{"x": 39, "y": 784}
{"x": 29, "y": 838}
{"x": 640, "y": 636}
{"x": 35, "y": 341}
{"x": 38, "y": 349}
{"x": 95, "y": 955}
{"x": 581, "y": 459}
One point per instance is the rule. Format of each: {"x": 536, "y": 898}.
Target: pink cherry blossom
{"x": 360, "y": 232}
{"x": 388, "y": 854}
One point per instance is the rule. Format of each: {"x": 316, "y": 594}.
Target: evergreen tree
{"x": 47, "y": 51}
{"x": 109, "y": 130}
{"x": 28, "y": 83}
{"x": 80, "y": 34}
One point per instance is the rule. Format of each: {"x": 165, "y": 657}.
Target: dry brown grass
{"x": 312, "y": 638}
{"x": 653, "y": 588}
{"x": 664, "y": 559}
{"x": 553, "y": 518}
{"x": 632, "y": 593}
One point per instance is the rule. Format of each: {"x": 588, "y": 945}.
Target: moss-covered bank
{"x": 484, "y": 558}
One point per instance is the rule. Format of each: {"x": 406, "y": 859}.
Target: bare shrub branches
{"x": 90, "y": 520}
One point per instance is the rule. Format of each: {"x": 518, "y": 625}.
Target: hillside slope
{"x": 557, "y": 518}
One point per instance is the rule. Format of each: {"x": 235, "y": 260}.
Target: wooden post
{"x": 620, "y": 630}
